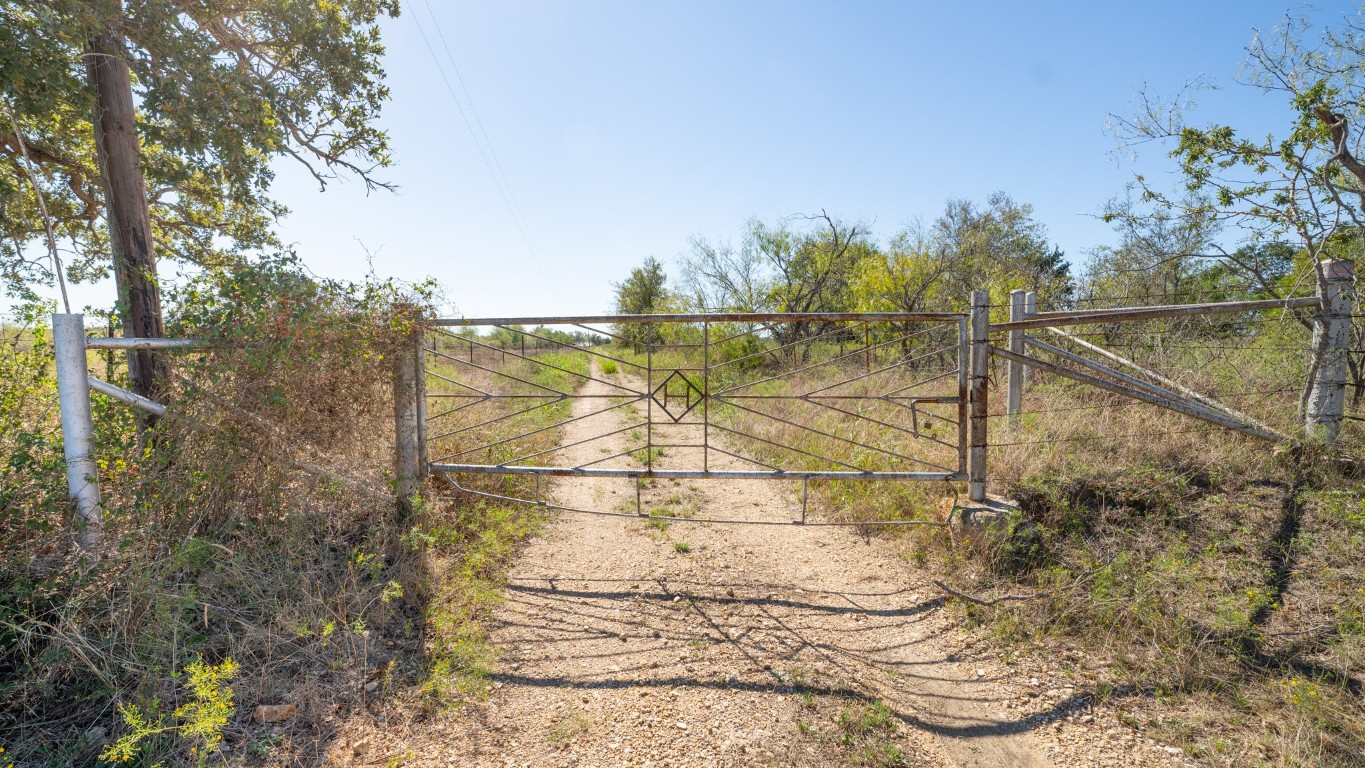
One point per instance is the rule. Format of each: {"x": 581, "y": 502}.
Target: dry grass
{"x": 1203, "y": 580}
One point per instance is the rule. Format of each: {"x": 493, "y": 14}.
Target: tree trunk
{"x": 125, "y": 199}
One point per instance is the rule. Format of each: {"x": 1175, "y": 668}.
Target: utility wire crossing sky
{"x": 622, "y": 129}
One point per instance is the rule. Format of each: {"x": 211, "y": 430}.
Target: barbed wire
{"x": 1189, "y": 298}
{"x": 1055, "y": 306}
{"x": 1093, "y": 438}
{"x": 1238, "y": 347}
{"x": 1130, "y": 404}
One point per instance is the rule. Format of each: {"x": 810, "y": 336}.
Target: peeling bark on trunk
{"x": 126, "y": 206}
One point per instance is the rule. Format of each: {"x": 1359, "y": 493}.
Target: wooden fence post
{"x": 420, "y": 351}
{"x": 1326, "y": 400}
{"x": 406, "y": 421}
{"x": 1015, "y": 370}
{"x": 979, "y": 383}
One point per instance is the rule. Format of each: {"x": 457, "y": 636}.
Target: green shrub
{"x": 219, "y": 528}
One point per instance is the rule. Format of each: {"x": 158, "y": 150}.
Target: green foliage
{"x": 476, "y": 547}
{"x": 32, "y": 470}
{"x": 221, "y": 92}
{"x": 219, "y": 515}
{"x": 868, "y": 718}
{"x": 999, "y": 247}
{"x": 865, "y": 728}
{"x": 777, "y": 269}
{"x": 516, "y": 337}
{"x": 1294, "y": 190}
{"x": 199, "y": 722}
{"x": 643, "y": 292}
{"x": 834, "y": 267}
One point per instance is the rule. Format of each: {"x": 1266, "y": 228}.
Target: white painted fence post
{"x": 1015, "y": 370}
{"x": 1331, "y": 341}
{"x": 78, "y": 430}
{"x": 978, "y": 384}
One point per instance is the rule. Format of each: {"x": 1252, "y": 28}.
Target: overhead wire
{"x": 497, "y": 163}
{"x": 513, "y": 210}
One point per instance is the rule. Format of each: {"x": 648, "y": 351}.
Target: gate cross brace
{"x": 1171, "y": 404}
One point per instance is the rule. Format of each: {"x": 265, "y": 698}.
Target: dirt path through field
{"x": 709, "y": 644}
{"x": 626, "y": 643}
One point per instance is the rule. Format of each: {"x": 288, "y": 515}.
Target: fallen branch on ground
{"x": 990, "y": 602}
{"x": 1007, "y": 598}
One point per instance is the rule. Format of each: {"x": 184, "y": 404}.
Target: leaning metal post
{"x": 406, "y": 418}
{"x": 73, "y": 393}
{"x": 980, "y": 372}
{"x": 1331, "y": 340}
{"x": 1015, "y": 395}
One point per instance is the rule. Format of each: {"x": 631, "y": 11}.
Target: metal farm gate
{"x": 840, "y": 397}
{"x": 846, "y": 396}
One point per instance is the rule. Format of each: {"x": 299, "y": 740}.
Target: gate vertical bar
{"x": 1030, "y": 309}
{"x": 980, "y": 375}
{"x": 649, "y": 405}
{"x": 1015, "y": 370}
{"x": 867, "y": 347}
{"x": 1326, "y": 396}
{"x": 705, "y": 396}
{"x": 78, "y": 429}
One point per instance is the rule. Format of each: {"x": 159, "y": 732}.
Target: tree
{"x": 778, "y": 269}
{"x": 644, "y": 292}
{"x": 1000, "y": 247}
{"x": 161, "y": 118}
{"x": 1305, "y": 186}
{"x": 907, "y": 276}
{"x": 1159, "y": 259}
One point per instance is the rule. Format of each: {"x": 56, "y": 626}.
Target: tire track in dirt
{"x": 619, "y": 649}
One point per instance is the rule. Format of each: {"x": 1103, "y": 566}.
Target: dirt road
{"x": 695, "y": 644}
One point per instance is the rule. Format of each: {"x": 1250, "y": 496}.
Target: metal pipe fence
{"x": 846, "y": 396}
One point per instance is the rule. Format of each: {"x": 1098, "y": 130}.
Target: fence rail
{"x": 728, "y": 387}
{"x": 893, "y": 396}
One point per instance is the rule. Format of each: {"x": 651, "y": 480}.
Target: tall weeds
{"x": 252, "y": 527}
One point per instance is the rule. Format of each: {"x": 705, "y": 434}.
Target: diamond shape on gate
{"x": 677, "y": 396}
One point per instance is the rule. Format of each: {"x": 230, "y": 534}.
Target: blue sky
{"x": 623, "y": 129}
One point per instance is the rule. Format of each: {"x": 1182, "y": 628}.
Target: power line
{"x": 512, "y": 210}
{"x": 479, "y": 122}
